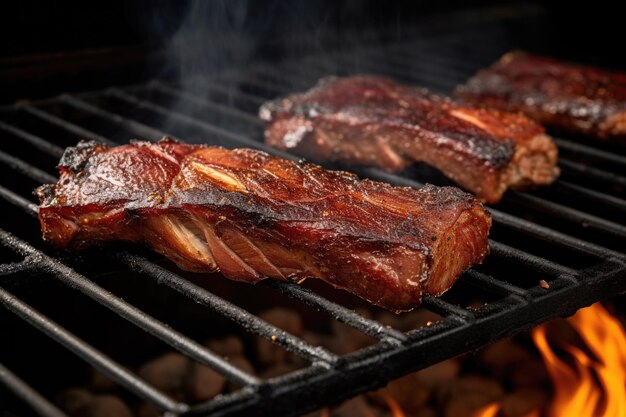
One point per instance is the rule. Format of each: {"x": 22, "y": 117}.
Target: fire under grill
{"x": 571, "y": 234}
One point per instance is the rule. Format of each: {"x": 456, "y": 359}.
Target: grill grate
{"x": 590, "y": 266}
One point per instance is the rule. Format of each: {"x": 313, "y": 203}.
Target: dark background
{"x": 51, "y": 47}
{"x": 37, "y": 27}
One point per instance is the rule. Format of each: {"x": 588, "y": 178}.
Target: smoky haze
{"x": 210, "y": 47}
{"x": 214, "y": 50}
{"x": 225, "y": 34}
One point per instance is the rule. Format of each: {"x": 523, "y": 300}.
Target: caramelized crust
{"x": 253, "y": 216}
{"x": 567, "y": 96}
{"x": 368, "y": 120}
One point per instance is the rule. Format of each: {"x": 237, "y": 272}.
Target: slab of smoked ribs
{"x": 367, "y": 120}
{"x": 254, "y": 216}
{"x": 570, "y": 97}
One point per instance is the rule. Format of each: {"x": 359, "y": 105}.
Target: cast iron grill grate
{"x": 571, "y": 234}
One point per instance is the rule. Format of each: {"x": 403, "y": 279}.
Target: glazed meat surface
{"x": 579, "y": 99}
{"x": 367, "y": 120}
{"x": 254, "y": 216}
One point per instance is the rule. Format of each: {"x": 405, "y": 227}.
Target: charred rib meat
{"x": 366, "y": 120}
{"x": 254, "y": 216}
{"x": 567, "y": 96}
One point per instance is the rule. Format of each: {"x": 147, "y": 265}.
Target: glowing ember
{"x": 489, "y": 410}
{"x": 394, "y": 407}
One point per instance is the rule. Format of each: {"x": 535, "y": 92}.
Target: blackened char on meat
{"x": 567, "y": 96}
{"x": 367, "y": 120}
{"x": 254, "y": 216}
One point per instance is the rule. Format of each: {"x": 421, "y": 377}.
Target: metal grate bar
{"x": 333, "y": 378}
{"x": 605, "y": 199}
{"x": 543, "y": 204}
{"x": 290, "y": 343}
{"x": 201, "y": 101}
{"x": 497, "y": 248}
{"x": 520, "y": 255}
{"x": 307, "y": 82}
{"x": 434, "y": 59}
{"x": 294, "y": 69}
{"x": 156, "y": 328}
{"x": 27, "y": 394}
{"x": 139, "y": 128}
{"x": 269, "y": 88}
{"x": 573, "y": 215}
{"x": 491, "y": 284}
{"x": 277, "y": 335}
{"x": 431, "y": 75}
{"x": 585, "y": 246}
{"x": 33, "y": 140}
{"x": 213, "y": 106}
{"x": 187, "y": 346}
{"x": 24, "y": 168}
{"x": 57, "y": 121}
{"x": 566, "y": 162}
{"x": 17, "y": 200}
{"x": 445, "y": 309}
{"x": 437, "y": 305}
{"x": 11, "y": 268}
{"x": 586, "y": 216}
{"x": 540, "y": 264}
{"x": 599, "y": 174}
{"x": 248, "y": 321}
{"x": 509, "y": 250}
{"x": 589, "y": 151}
{"x": 176, "y": 340}
{"x": 340, "y": 313}
{"x": 214, "y": 85}
{"x": 87, "y": 352}
{"x": 211, "y": 129}
{"x": 295, "y": 80}
{"x": 552, "y": 236}
{"x": 427, "y": 345}
{"x": 147, "y": 131}
{"x": 421, "y": 72}
{"x": 601, "y": 197}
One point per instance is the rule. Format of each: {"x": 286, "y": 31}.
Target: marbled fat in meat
{"x": 558, "y": 94}
{"x": 254, "y": 216}
{"x": 373, "y": 121}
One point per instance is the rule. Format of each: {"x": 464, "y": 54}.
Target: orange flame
{"x": 490, "y": 410}
{"x": 597, "y": 384}
{"x": 394, "y": 407}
